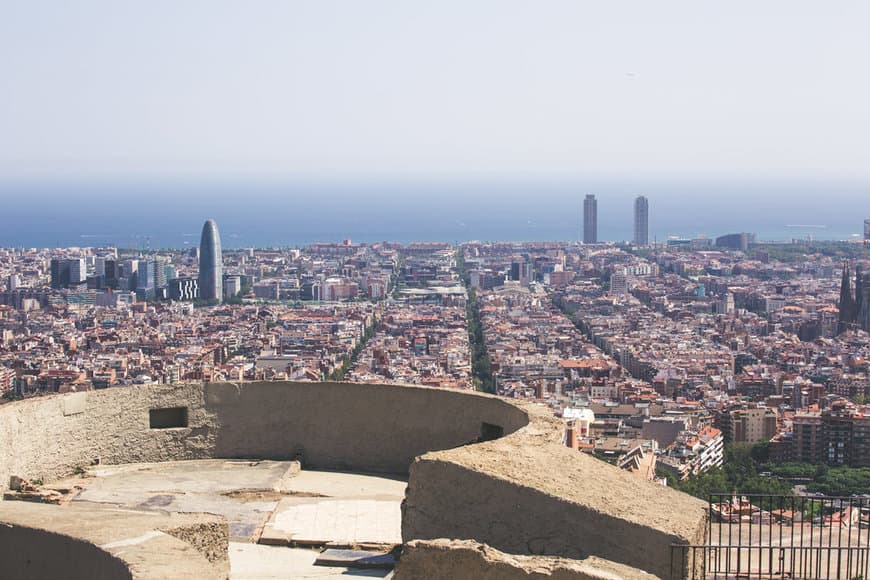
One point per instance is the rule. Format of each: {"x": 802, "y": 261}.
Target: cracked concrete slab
{"x": 345, "y": 522}
{"x": 304, "y": 507}
{"x": 356, "y": 509}
{"x": 195, "y": 486}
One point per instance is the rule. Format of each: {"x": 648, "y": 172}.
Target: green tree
{"x": 738, "y": 474}
{"x": 347, "y": 362}
{"x": 761, "y": 452}
{"x": 481, "y": 366}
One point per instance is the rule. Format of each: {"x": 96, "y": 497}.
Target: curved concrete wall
{"x": 333, "y": 425}
{"x": 36, "y": 553}
{"x": 528, "y": 494}
{"x": 91, "y": 542}
{"x": 351, "y": 426}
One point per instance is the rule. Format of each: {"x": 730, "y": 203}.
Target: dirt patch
{"x": 211, "y": 538}
{"x": 267, "y": 494}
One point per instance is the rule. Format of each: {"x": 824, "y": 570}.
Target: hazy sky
{"x": 372, "y": 88}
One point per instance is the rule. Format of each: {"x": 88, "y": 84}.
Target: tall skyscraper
{"x": 641, "y": 221}
{"x": 67, "y": 272}
{"x": 145, "y": 280}
{"x": 59, "y": 273}
{"x": 78, "y": 271}
{"x": 211, "y": 268}
{"x": 590, "y": 220}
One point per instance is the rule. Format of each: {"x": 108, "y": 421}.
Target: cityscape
{"x": 678, "y": 362}
{"x": 506, "y": 290}
{"x": 654, "y": 355}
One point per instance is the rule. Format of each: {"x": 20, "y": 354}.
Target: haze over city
{"x": 750, "y": 116}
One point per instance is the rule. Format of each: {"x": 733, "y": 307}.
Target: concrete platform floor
{"x": 357, "y": 509}
{"x": 264, "y": 501}
{"x": 223, "y": 487}
{"x": 258, "y": 562}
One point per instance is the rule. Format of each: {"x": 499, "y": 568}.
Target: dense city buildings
{"x": 417, "y": 344}
{"x": 210, "y": 263}
{"x": 641, "y": 221}
{"x": 696, "y": 338}
{"x": 590, "y": 220}
{"x": 655, "y": 357}
{"x": 662, "y": 360}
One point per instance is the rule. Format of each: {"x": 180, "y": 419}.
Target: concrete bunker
{"x": 516, "y": 490}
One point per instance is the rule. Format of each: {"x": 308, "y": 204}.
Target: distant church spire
{"x": 847, "y": 303}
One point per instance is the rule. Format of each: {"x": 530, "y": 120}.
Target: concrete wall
{"x": 48, "y": 437}
{"x": 94, "y": 542}
{"x": 526, "y": 494}
{"x": 351, "y": 426}
{"x": 334, "y": 425}
{"x": 466, "y": 560}
{"x": 35, "y": 553}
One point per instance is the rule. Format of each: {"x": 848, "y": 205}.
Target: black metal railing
{"x": 774, "y": 536}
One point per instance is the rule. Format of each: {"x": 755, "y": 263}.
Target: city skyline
{"x": 654, "y": 361}
{"x": 72, "y": 214}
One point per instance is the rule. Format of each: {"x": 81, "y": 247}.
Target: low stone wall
{"x": 332, "y": 425}
{"x": 350, "y": 426}
{"x": 527, "y": 494}
{"x": 467, "y": 560}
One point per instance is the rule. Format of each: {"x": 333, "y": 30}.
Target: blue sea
{"x": 164, "y": 214}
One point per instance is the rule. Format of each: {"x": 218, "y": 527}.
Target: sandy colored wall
{"x": 48, "y": 437}
{"x": 334, "y": 425}
{"x": 37, "y": 553}
{"x": 350, "y": 426}
{"x": 526, "y": 494}
{"x": 90, "y": 542}
{"x": 466, "y": 560}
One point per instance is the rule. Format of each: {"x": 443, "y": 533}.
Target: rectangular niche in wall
{"x": 170, "y": 418}
{"x": 488, "y": 431}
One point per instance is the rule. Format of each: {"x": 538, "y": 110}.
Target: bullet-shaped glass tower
{"x": 211, "y": 268}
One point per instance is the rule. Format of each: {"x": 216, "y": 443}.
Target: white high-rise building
{"x": 78, "y": 271}
{"x": 145, "y": 280}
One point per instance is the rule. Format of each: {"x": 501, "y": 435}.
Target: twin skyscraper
{"x": 641, "y": 220}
